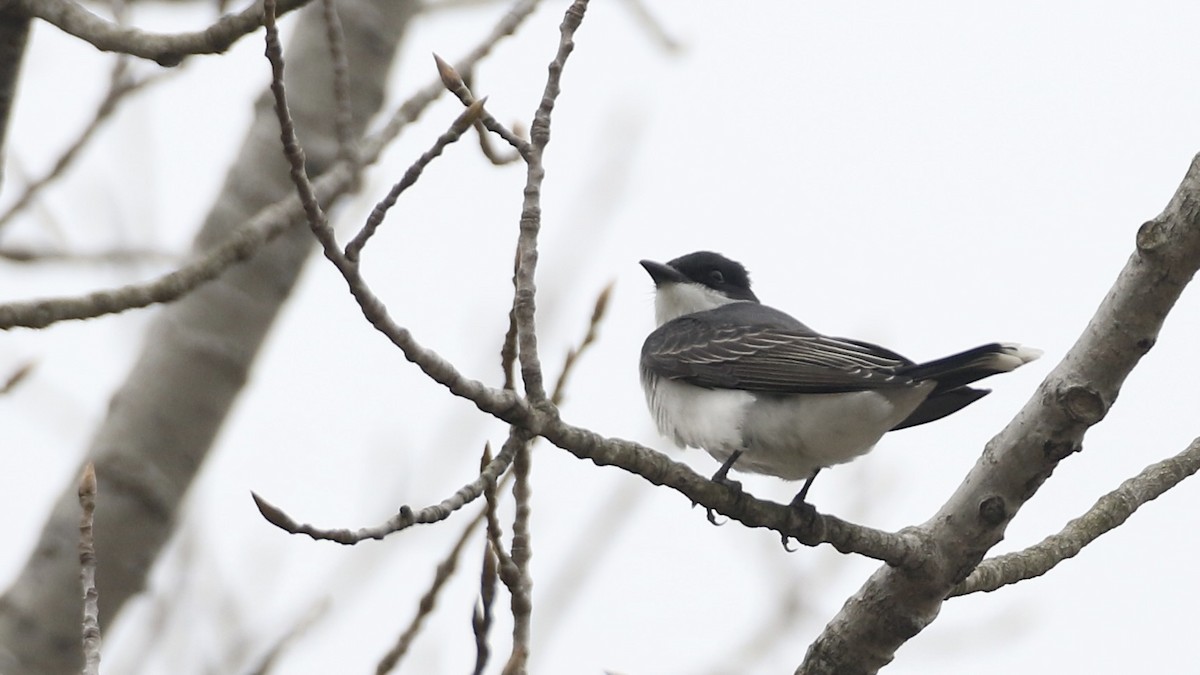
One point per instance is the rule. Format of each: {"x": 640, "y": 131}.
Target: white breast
{"x": 785, "y": 436}
{"x": 697, "y": 417}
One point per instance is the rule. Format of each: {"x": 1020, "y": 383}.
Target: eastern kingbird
{"x": 757, "y": 389}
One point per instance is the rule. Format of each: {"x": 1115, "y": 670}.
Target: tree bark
{"x": 196, "y": 357}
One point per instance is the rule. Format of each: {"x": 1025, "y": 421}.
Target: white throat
{"x": 672, "y": 301}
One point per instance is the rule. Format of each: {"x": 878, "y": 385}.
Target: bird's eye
{"x": 716, "y": 277}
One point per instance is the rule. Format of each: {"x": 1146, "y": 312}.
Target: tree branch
{"x": 163, "y": 49}
{"x": 1108, "y": 513}
{"x": 403, "y": 519}
{"x": 121, "y": 84}
{"x": 895, "y": 604}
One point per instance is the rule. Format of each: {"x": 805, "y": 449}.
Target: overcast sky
{"x": 927, "y": 176}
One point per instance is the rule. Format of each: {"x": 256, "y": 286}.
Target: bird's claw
{"x": 807, "y": 511}
{"x": 720, "y": 479}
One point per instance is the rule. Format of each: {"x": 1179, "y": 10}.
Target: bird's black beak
{"x": 662, "y": 274}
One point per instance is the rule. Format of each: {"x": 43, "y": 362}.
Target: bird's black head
{"x": 715, "y": 271}
{"x": 697, "y": 282}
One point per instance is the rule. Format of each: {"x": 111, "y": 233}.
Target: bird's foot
{"x": 721, "y": 477}
{"x": 807, "y": 511}
{"x": 733, "y": 485}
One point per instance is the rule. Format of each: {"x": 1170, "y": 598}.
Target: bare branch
{"x": 1108, "y": 513}
{"x": 163, "y": 49}
{"x": 117, "y": 256}
{"x": 445, "y": 570}
{"x": 460, "y": 125}
{"x": 405, "y": 518}
{"x": 653, "y": 27}
{"x": 457, "y": 85}
{"x": 521, "y": 585}
{"x": 598, "y": 310}
{"x": 493, "y": 155}
{"x": 315, "y": 613}
{"x": 241, "y": 245}
{"x": 87, "y": 572}
{"x": 508, "y": 350}
{"x": 16, "y": 377}
{"x": 344, "y": 115}
{"x": 495, "y": 535}
{"x": 507, "y": 25}
{"x": 481, "y": 620}
{"x": 287, "y": 127}
{"x": 895, "y": 604}
{"x": 531, "y": 211}
{"x": 120, "y": 86}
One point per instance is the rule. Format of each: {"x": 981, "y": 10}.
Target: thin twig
{"x": 87, "y": 572}
{"x": 1107, "y": 514}
{"x": 531, "y": 211}
{"x": 508, "y": 350}
{"x": 481, "y": 619}
{"x": 653, "y": 27}
{"x": 507, "y": 25}
{"x": 598, "y": 310}
{"x": 343, "y": 119}
{"x": 445, "y": 570}
{"x": 514, "y": 570}
{"x": 403, "y": 519}
{"x": 489, "y": 151}
{"x": 114, "y": 256}
{"x": 121, "y": 85}
{"x": 16, "y": 377}
{"x": 315, "y": 613}
{"x": 456, "y": 84}
{"x": 460, "y": 125}
{"x": 495, "y": 534}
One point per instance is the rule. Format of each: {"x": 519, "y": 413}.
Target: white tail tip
{"x": 1020, "y": 353}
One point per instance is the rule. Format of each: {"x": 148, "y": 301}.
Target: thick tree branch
{"x": 896, "y": 603}
{"x": 1108, "y": 513}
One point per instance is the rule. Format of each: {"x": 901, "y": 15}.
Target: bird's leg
{"x": 722, "y": 474}
{"x": 722, "y": 477}
{"x": 800, "y": 504}
{"x": 799, "y": 500}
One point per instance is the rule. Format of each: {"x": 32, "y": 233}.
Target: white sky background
{"x": 922, "y": 175}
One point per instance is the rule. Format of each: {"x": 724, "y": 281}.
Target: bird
{"x": 763, "y": 393}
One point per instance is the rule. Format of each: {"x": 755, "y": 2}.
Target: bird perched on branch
{"x": 763, "y": 393}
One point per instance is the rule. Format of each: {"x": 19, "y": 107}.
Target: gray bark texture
{"x": 197, "y": 354}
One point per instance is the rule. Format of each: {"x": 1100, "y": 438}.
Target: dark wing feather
{"x": 774, "y": 359}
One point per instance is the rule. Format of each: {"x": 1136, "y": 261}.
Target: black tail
{"x": 953, "y": 374}
{"x": 963, "y": 368}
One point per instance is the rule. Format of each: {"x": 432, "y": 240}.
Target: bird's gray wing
{"x": 768, "y": 359}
